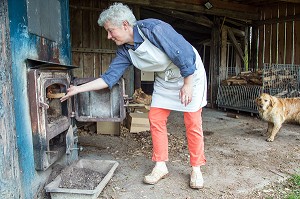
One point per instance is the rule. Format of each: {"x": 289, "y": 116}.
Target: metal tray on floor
{"x": 103, "y": 166}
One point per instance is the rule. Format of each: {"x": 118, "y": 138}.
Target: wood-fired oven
{"x": 52, "y": 122}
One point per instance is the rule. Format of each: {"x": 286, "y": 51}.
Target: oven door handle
{"x": 43, "y": 104}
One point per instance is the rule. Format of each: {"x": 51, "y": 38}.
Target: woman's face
{"x": 120, "y": 35}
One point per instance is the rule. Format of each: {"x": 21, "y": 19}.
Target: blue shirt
{"x": 163, "y": 36}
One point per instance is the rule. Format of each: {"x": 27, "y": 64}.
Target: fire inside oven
{"x": 57, "y": 113}
{"x": 57, "y": 110}
{"x": 50, "y": 119}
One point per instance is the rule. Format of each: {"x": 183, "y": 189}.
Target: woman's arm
{"x": 96, "y": 84}
{"x": 178, "y": 49}
{"x": 113, "y": 74}
{"x": 186, "y": 92}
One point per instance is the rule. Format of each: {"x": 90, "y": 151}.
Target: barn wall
{"x": 9, "y": 168}
{"x": 279, "y": 35}
{"x": 91, "y": 50}
{"x": 27, "y": 45}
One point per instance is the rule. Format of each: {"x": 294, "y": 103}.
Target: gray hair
{"x": 116, "y": 14}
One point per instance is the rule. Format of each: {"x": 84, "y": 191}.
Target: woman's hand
{"x": 73, "y": 90}
{"x": 186, "y": 92}
{"x": 96, "y": 84}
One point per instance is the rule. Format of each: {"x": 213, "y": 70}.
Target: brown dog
{"x": 276, "y": 111}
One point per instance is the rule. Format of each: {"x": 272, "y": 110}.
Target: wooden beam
{"x": 278, "y": 20}
{"x": 223, "y": 64}
{"x": 241, "y": 15}
{"x": 86, "y": 8}
{"x": 253, "y": 54}
{"x": 93, "y": 50}
{"x": 291, "y": 1}
{"x": 137, "y": 81}
{"x": 246, "y": 48}
{"x": 235, "y": 43}
{"x": 205, "y": 42}
{"x": 236, "y": 23}
{"x": 214, "y": 61}
{"x": 264, "y": 2}
{"x": 191, "y": 28}
{"x": 237, "y": 32}
{"x": 233, "y": 6}
{"x": 201, "y": 20}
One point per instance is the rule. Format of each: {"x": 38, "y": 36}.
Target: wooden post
{"x": 253, "y": 54}
{"x": 246, "y": 49}
{"x": 223, "y": 66}
{"x": 235, "y": 44}
{"x": 238, "y": 64}
{"x": 214, "y": 61}
{"x": 137, "y": 72}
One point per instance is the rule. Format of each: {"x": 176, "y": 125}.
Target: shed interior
{"x": 231, "y": 36}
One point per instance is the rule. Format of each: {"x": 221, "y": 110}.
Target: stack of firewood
{"x": 282, "y": 81}
{"x": 142, "y": 98}
{"x": 245, "y": 78}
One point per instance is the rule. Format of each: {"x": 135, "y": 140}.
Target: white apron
{"x": 168, "y": 80}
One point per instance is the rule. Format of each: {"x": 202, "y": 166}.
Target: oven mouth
{"x": 56, "y": 113}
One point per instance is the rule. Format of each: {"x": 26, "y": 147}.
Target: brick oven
{"x": 54, "y": 123}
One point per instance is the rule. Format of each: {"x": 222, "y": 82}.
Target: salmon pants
{"x": 193, "y": 123}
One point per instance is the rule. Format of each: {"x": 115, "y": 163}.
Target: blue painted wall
{"x": 26, "y": 45}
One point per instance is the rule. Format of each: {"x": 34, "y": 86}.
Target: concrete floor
{"x": 239, "y": 160}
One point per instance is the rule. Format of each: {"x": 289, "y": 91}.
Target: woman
{"x": 180, "y": 81}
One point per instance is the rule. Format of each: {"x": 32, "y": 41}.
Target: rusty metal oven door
{"x": 100, "y": 105}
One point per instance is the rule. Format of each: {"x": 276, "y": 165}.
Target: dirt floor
{"x": 240, "y": 163}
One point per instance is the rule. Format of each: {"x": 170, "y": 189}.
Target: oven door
{"x": 101, "y": 105}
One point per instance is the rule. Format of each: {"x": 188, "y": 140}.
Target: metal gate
{"x": 239, "y": 97}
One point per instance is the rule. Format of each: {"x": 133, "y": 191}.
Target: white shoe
{"x": 196, "y": 180}
{"x": 155, "y": 176}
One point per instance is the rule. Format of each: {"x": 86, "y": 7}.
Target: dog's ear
{"x": 272, "y": 101}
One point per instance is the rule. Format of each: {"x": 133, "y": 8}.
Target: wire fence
{"x": 281, "y": 80}
{"x": 239, "y": 98}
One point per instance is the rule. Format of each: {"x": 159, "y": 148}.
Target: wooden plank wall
{"x": 279, "y": 35}
{"x": 91, "y": 50}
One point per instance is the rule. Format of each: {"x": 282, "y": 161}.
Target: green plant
{"x": 294, "y": 185}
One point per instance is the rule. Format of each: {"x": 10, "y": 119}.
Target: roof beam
{"x": 241, "y": 15}
{"x": 201, "y": 20}
{"x": 264, "y": 2}
{"x": 235, "y": 44}
{"x": 239, "y": 7}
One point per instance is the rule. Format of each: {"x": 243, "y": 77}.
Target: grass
{"x": 288, "y": 189}
{"x": 294, "y": 185}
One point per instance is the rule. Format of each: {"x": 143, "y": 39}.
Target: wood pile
{"x": 141, "y": 98}
{"x": 245, "y": 78}
{"x": 282, "y": 82}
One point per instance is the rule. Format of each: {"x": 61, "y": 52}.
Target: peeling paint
{"x": 23, "y": 30}
{"x": 2, "y": 111}
{"x": 26, "y": 45}
{"x": 9, "y": 173}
